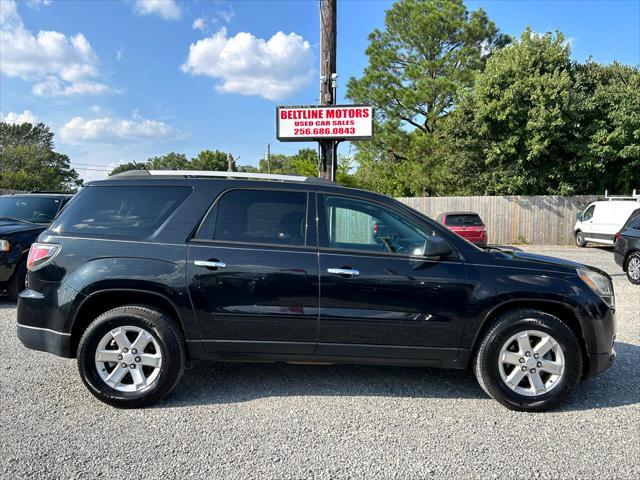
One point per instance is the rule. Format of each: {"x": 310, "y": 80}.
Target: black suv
{"x": 627, "y": 247}
{"x": 22, "y": 218}
{"x": 148, "y": 269}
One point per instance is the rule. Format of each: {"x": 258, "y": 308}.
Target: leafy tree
{"x": 427, "y": 54}
{"x": 536, "y": 123}
{"x": 170, "y": 161}
{"x": 208, "y": 160}
{"x": 28, "y": 162}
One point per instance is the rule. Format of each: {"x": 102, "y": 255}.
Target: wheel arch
{"x": 101, "y": 301}
{"x": 566, "y": 313}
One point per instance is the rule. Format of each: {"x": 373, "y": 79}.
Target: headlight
{"x": 4, "y": 246}
{"x": 599, "y": 284}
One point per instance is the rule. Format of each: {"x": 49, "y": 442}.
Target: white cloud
{"x": 244, "y": 64}
{"x": 119, "y": 53}
{"x": 198, "y": 24}
{"x": 38, "y": 3}
{"x": 167, "y": 9}
{"x": 59, "y": 65}
{"x": 18, "y": 118}
{"x": 108, "y": 128}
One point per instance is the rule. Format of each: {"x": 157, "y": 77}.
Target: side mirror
{"x": 436, "y": 247}
{"x": 579, "y": 216}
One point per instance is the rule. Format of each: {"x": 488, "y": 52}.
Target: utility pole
{"x": 269, "y": 158}
{"x": 328, "y": 77}
{"x": 229, "y": 162}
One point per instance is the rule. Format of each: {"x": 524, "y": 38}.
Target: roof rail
{"x": 215, "y": 174}
{"x": 634, "y": 196}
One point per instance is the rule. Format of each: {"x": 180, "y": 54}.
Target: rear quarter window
{"x": 128, "y": 212}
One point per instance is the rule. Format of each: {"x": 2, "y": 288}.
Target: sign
{"x": 334, "y": 122}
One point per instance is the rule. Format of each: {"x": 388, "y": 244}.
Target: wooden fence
{"x": 540, "y": 220}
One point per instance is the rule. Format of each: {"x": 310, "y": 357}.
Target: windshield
{"x": 28, "y": 209}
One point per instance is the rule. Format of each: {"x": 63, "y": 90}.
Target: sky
{"x": 124, "y": 80}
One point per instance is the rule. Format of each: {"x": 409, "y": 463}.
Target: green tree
{"x": 170, "y": 161}
{"x": 428, "y": 53}
{"x": 209, "y": 160}
{"x": 28, "y": 162}
{"x": 537, "y": 123}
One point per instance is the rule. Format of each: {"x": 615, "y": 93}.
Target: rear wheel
{"x": 580, "y": 241}
{"x": 16, "y": 283}
{"x": 633, "y": 268}
{"x": 131, "y": 356}
{"x": 529, "y": 361}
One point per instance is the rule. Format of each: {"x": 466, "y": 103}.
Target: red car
{"x": 468, "y": 225}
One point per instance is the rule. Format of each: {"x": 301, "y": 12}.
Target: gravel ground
{"x": 284, "y": 421}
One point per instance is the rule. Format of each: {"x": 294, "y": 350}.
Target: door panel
{"x": 263, "y": 300}
{"x": 253, "y": 273}
{"x": 390, "y": 301}
{"x": 393, "y": 306}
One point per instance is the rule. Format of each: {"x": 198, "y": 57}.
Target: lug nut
{"x": 134, "y": 351}
{"x": 521, "y": 360}
{"x": 119, "y": 357}
{"x": 138, "y": 360}
{"x": 133, "y": 365}
{"x": 524, "y": 369}
{"x": 536, "y": 356}
{"x": 533, "y": 370}
{"x": 125, "y": 349}
{"x": 539, "y": 364}
{"x": 124, "y": 365}
{"x": 527, "y": 354}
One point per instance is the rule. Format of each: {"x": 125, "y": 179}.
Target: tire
{"x": 631, "y": 267}
{"x": 16, "y": 282}
{"x": 580, "y": 241}
{"x": 489, "y": 370}
{"x": 164, "y": 338}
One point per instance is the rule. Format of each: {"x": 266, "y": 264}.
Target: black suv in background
{"x": 627, "y": 247}
{"x": 22, "y": 218}
{"x": 148, "y": 269}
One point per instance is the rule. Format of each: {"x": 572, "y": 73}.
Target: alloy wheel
{"x": 531, "y": 363}
{"x": 633, "y": 268}
{"x": 128, "y": 359}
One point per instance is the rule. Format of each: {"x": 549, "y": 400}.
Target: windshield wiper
{"x": 17, "y": 220}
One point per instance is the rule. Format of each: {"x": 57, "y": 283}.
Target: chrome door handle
{"x": 343, "y": 271}
{"x": 209, "y": 264}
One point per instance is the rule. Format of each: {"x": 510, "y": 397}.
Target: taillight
{"x": 616, "y": 237}
{"x": 40, "y": 254}
{"x": 375, "y": 227}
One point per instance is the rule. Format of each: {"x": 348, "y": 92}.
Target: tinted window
{"x": 634, "y": 220}
{"x": 358, "y": 225}
{"x": 262, "y": 216}
{"x": 120, "y": 211}
{"x": 459, "y": 220}
{"x": 30, "y": 209}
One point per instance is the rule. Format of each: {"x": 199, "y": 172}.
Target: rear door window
{"x": 130, "y": 212}
{"x": 262, "y": 217}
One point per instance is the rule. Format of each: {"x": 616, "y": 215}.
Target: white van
{"x": 601, "y": 220}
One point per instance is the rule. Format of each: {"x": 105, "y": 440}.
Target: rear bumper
{"x": 42, "y": 319}
{"x": 45, "y": 340}
{"x": 619, "y": 258}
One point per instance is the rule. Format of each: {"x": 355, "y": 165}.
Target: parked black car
{"x": 627, "y": 248}
{"x": 148, "y": 269}
{"x": 22, "y": 218}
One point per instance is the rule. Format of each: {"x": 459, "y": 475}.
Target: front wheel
{"x": 580, "y": 241}
{"x": 633, "y": 268}
{"x": 131, "y": 356}
{"x": 529, "y": 361}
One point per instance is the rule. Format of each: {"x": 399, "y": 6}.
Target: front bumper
{"x": 6, "y": 271}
